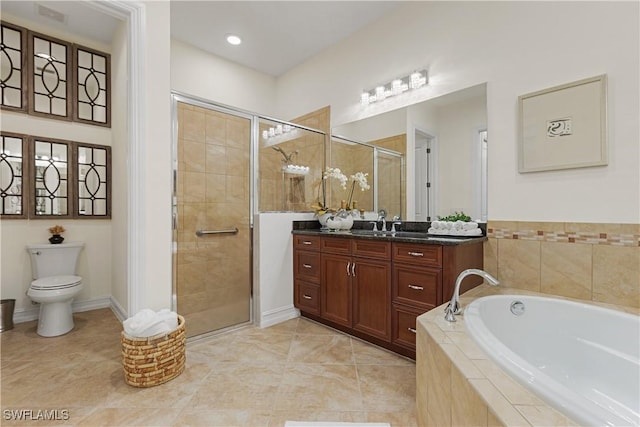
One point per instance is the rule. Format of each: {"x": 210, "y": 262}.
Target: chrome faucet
{"x": 382, "y": 217}
{"x": 393, "y": 226}
{"x": 453, "y": 307}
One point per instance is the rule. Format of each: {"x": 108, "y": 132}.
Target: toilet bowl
{"x": 54, "y": 267}
{"x": 55, "y": 295}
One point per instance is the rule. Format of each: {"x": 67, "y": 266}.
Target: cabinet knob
{"x": 415, "y": 253}
{"x": 307, "y": 265}
{"x": 306, "y": 242}
{"x": 416, "y": 287}
{"x": 306, "y": 297}
{"x": 412, "y": 330}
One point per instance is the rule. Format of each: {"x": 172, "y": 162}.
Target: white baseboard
{"x": 27, "y": 315}
{"x": 278, "y": 315}
{"x": 117, "y": 309}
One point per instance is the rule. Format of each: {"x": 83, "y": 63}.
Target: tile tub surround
{"x": 457, "y": 383}
{"x": 591, "y": 261}
{"x": 251, "y": 377}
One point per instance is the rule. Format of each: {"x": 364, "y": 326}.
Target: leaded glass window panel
{"x": 93, "y": 181}
{"x": 51, "y": 178}
{"x": 92, "y": 86}
{"x": 49, "y": 71}
{"x": 12, "y": 174}
{"x": 13, "y": 59}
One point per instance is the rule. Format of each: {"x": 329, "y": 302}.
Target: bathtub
{"x": 581, "y": 359}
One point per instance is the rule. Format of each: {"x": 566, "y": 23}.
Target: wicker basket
{"x": 152, "y": 361}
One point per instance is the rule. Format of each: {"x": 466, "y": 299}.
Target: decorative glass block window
{"x": 92, "y": 93}
{"x": 50, "y": 92}
{"x": 12, "y": 173}
{"x": 94, "y": 164}
{"x": 13, "y": 59}
{"x": 51, "y": 178}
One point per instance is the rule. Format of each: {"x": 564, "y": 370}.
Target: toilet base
{"x": 56, "y": 318}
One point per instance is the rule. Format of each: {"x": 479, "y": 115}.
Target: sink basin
{"x": 419, "y": 234}
{"x": 370, "y": 232}
{"x": 389, "y": 233}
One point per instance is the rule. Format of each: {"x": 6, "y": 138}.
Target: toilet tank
{"x": 54, "y": 260}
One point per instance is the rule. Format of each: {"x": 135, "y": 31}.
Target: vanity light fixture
{"x": 415, "y": 80}
{"x": 45, "y": 56}
{"x": 233, "y": 39}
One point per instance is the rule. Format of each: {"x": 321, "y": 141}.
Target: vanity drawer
{"x": 371, "y": 249}
{"x": 416, "y": 254}
{"x": 335, "y": 245}
{"x": 306, "y": 243}
{"x": 307, "y": 297}
{"x": 404, "y": 325}
{"x": 415, "y": 286}
{"x": 306, "y": 266}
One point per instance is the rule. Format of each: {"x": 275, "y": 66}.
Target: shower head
{"x": 287, "y": 158}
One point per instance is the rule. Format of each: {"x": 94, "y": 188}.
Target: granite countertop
{"x": 407, "y": 232}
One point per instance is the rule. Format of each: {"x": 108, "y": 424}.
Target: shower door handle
{"x": 200, "y": 233}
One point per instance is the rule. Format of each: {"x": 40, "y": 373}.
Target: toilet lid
{"x": 56, "y": 282}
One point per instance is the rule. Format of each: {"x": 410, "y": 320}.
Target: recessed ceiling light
{"x": 233, "y": 39}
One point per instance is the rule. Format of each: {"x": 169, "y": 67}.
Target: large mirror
{"x": 383, "y": 170}
{"x": 449, "y": 139}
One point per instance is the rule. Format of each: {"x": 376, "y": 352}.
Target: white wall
{"x": 458, "y": 155}
{"x": 273, "y": 267}
{"x": 155, "y": 291}
{"x": 198, "y": 73}
{"x": 517, "y": 48}
{"x": 367, "y": 130}
{"x": 95, "y": 260}
{"x": 120, "y": 180}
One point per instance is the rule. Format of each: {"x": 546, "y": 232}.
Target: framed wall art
{"x": 564, "y": 127}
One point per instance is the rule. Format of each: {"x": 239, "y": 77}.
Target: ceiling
{"x": 277, "y": 35}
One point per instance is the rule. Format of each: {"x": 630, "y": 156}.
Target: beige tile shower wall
{"x": 288, "y": 192}
{"x": 294, "y": 192}
{"x": 351, "y": 159}
{"x": 319, "y": 119}
{"x": 598, "y": 262}
{"x": 212, "y": 193}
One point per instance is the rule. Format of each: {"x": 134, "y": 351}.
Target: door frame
{"x": 421, "y": 168}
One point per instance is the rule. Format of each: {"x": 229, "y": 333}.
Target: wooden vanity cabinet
{"x": 375, "y": 289}
{"x": 355, "y": 287}
{"x": 306, "y": 273}
{"x": 424, "y": 278}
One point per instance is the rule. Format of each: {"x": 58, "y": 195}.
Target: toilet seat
{"x": 53, "y": 283}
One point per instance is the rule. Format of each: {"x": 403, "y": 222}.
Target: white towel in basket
{"x": 147, "y": 323}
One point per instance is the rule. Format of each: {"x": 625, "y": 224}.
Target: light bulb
{"x": 233, "y": 39}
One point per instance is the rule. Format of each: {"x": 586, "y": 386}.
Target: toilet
{"x": 55, "y": 285}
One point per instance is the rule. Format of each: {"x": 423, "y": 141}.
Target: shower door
{"x": 212, "y": 228}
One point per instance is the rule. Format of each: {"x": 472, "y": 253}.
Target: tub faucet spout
{"x": 453, "y": 307}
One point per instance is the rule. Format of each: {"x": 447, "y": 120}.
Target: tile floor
{"x": 297, "y": 370}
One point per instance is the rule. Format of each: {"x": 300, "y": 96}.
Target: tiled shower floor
{"x": 297, "y": 370}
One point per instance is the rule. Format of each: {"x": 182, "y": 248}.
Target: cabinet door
{"x": 336, "y": 289}
{"x": 372, "y": 297}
